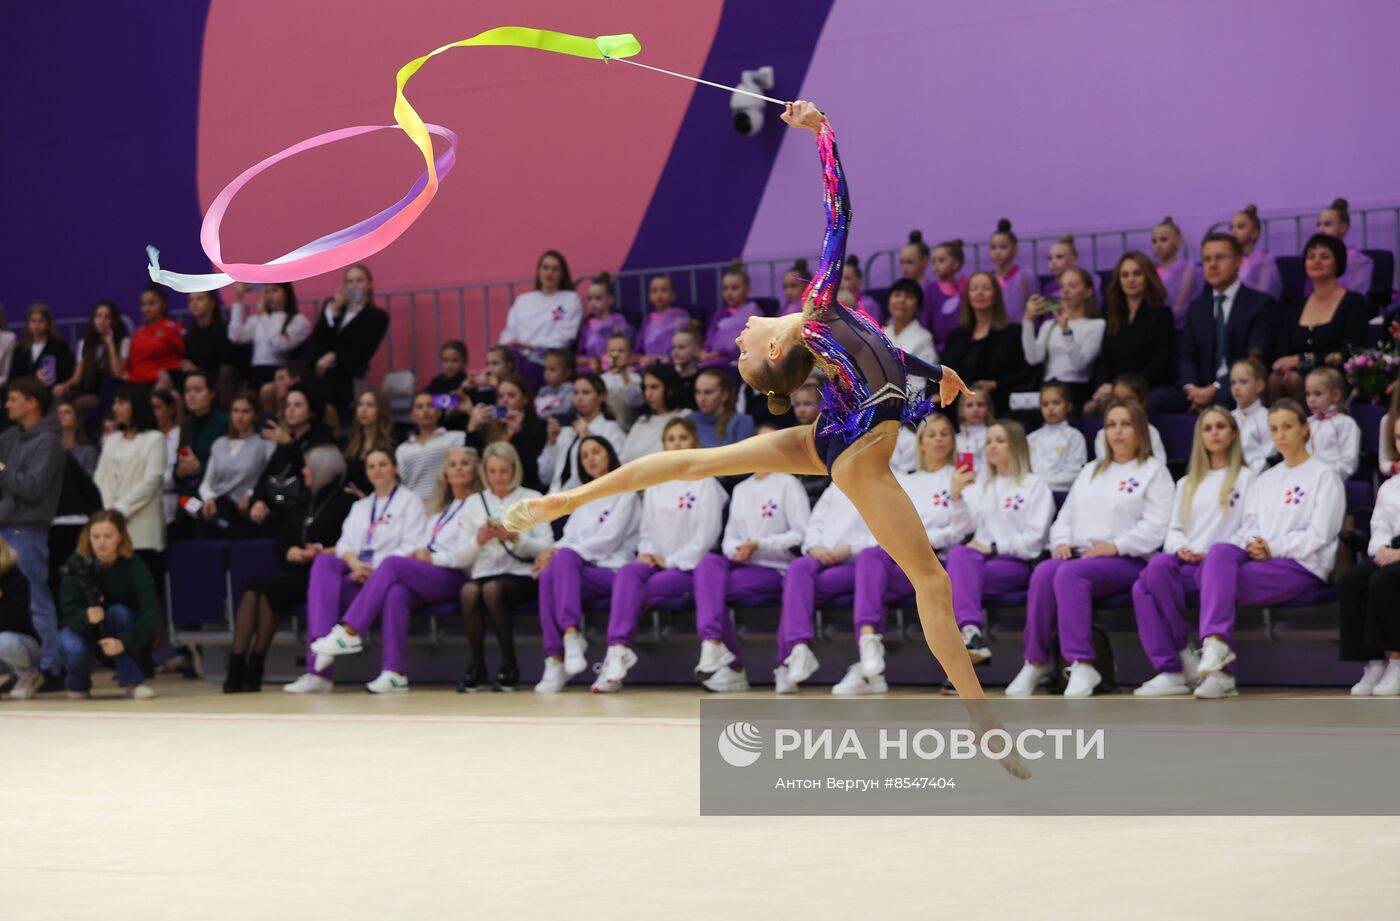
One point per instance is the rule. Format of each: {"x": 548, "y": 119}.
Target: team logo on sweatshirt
{"x": 1129, "y": 486}
{"x": 768, "y": 509}
{"x": 1014, "y": 503}
{"x": 1293, "y": 496}
{"x": 603, "y": 516}
{"x": 557, "y": 313}
{"x": 686, "y": 502}
{"x": 942, "y": 499}
{"x": 1234, "y": 497}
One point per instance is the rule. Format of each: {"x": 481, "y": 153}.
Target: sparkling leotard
{"x": 867, "y": 376}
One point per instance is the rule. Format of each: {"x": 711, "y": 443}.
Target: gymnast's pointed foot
{"x": 525, "y": 514}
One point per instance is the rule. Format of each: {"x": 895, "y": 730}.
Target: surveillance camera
{"x": 746, "y": 110}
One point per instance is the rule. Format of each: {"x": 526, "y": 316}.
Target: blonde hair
{"x": 1067, "y": 240}
{"x": 1091, "y": 300}
{"x": 1138, "y": 416}
{"x": 1199, "y": 465}
{"x": 117, "y": 520}
{"x": 1020, "y": 463}
{"x": 919, "y": 447}
{"x": 442, "y": 492}
{"x": 506, "y": 452}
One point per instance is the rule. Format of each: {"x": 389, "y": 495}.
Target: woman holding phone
{"x": 41, "y": 352}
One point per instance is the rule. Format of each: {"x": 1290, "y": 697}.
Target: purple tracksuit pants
{"x": 566, "y": 585}
{"x": 1229, "y": 578}
{"x": 1063, "y": 592}
{"x": 807, "y": 584}
{"x": 639, "y": 587}
{"x": 721, "y": 582}
{"x": 975, "y": 576}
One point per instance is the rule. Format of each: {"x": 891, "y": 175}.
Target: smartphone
{"x": 192, "y": 506}
{"x": 185, "y": 451}
{"x": 447, "y": 401}
{"x": 49, "y": 365}
{"x": 964, "y": 461}
{"x": 1052, "y": 304}
{"x": 500, "y": 411}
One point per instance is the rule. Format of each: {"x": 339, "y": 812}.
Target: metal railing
{"x": 476, "y": 313}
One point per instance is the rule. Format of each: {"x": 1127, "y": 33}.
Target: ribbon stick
{"x": 359, "y": 241}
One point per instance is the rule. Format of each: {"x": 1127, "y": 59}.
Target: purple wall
{"x": 1076, "y": 114}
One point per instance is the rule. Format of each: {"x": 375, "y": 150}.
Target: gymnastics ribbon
{"x": 359, "y": 241}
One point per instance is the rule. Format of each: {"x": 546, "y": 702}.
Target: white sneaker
{"x": 140, "y": 692}
{"x": 1165, "y": 684}
{"x": 713, "y": 657}
{"x": 613, "y": 669}
{"x": 1215, "y": 655}
{"x": 1389, "y": 685}
{"x": 727, "y": 679}
{"x": 1027, "y": 680}
{"x": 976, "y": 643}
{"x": 79, "y": 695}
{"x": 1083, "y": 678}
{"x": 857, "y": 684}
{"x": 554, "y": 677}
{"x": 1216, "y": 685}
{"x": 782, "y": 684}
{"x": 310, "y": 684}
{"x": 1370, "y": 677}
{"x": 1190, "y": 666}
{"x": 575, "y": 654}
{"x": 872, "y": 654}
{"x": 27, "y": 685}
{"x": 388, "y": 683}
{"x": 339, "y": 642}
{"x": 801, "y": 663}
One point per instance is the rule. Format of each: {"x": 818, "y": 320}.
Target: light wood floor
{"x": 198, "y": 805}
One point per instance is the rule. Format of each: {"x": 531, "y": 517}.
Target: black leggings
{"x": 498, "y": 596}
{"x": 1370, "y": 625}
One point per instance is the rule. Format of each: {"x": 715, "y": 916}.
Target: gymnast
{"x": 866, "y": 403}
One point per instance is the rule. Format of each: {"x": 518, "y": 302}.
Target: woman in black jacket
{"x": 41, "y": 352}
{"x": 512, "y": 419}
{"x": 347, "y": 335}
{"x": 1322, "y": 328}
{"x": 280, "y": 485}
{"x": 311, "y": 527}
{"x": 986, "y": 347}
{"x": 1140, "y": 336}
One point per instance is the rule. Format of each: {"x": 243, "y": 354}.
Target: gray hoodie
{"x": 33, "y": 476}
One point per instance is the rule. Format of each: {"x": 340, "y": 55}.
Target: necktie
{"x": 1219, "y": 329}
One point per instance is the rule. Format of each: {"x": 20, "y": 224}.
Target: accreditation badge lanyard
{"x": 375, "y": 521}
{"x": 443, "y": 520}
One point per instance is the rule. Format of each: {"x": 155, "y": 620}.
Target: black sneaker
{"x": 508, "y": 677}
{"x": 53, "y": 683}
{"x": 474, "y": 680}
{"x": 976, "y": 644}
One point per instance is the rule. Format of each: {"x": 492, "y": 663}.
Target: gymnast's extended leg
{"x": 789, "y": 450}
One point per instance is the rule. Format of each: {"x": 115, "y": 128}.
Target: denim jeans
{"x": 32, "y": 549}
{"x": 81, "y": 654}
{"x": 18, "y": 653}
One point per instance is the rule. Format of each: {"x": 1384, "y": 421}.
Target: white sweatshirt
{"x": 645, "y": 435}
{"x": 562, "y": 456}
{"x": 1298, "y": 511}
{"x": 834, "y": 523}
{"x": 625, "y": 400}
{"x": 932, "y": 496}
{"x": 1067, "y": 356}
{"x": 1336, "y": 441}
{"x": 420, "y": 464}
{"x": 129, "y": 475}
{"x": 773, "y": 511}
{"x": 916, "y": 341}
{"x": 399, "y": 525}
{"x": 1014, "y": 516}
{"x": 1258, "y": 447}
{"x": 1385, "y": 520}
{"x": 1058, "y": 453}
{"x": 905, "y": 456}
{"x": 1387, "y": 452}
{"x": 543, "y": 321}
{"x": 1128, "y": 505}
{"x": 605, "y": 532}
{"x": 442, "y": 534}
{"x": 492, "y": 558}
{"x": 1159, "y": 453}
{"x": 681, "y": 521}
{"x": 972, "y": 439}
{"x": 271, "y": 345}
{"x": 1209, "y": 522}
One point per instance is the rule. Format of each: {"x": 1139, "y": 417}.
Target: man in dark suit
{"x": 347, "y": 335}
{"x": 1226, "y": 323}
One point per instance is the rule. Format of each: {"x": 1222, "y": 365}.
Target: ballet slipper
{"x": 526, "y": 513}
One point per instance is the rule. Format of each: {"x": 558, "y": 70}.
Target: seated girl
{"x": 728, "y": 321}
{"x": 558, "y": 463}
{"x": 1017, "y": 285}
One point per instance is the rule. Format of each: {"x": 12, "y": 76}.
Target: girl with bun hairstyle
{"x": 943, "y": 295}
{"x": 1335, "y": 221}
{"x": 719, "y": 347}
{"x": 1017, "y": 285}
{"x": 599, "y": 322}
{"x": 852, "y": 278}
{"x": 794, "y": 280}
{"x": 1064, "y": 255}
{"x": 1178, "y": 275}
{"x": 866, "y": 403}
{"x": 1258, "y": 269}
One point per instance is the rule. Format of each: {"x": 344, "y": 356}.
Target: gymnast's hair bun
{"x": 777, "y": 405}
{"x": 916, "y": 236}
{"x": 1004, "y": 225}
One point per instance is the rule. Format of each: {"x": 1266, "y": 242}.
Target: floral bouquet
{"x": 1370, "y": 371}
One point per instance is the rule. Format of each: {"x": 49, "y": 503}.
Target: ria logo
{"x": 741, "y": 744}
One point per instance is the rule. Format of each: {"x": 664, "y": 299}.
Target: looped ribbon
{"x": 359, "y": 241}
